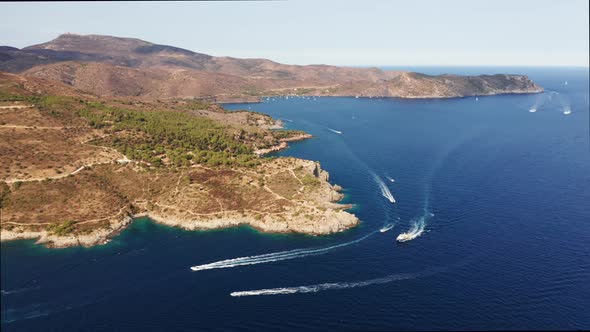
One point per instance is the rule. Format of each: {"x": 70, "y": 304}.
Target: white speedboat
{"x": 403, "y": 237}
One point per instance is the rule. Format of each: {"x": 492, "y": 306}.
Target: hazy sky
{"x": 418, "y": 32}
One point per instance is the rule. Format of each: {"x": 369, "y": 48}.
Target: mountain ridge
{"x": 106, "y": 65}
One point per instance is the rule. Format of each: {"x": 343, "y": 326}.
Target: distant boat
{"x": 532, "y": 110}
{"x": 567, "y": 111}
{"x": 335, "y": 131}
{"x": 476, "y": 99}
{"x": 390, "y": 179}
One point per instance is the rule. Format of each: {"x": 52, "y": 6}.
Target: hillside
{"x": 113, "y": 66}
{"x": 77, "y": 168}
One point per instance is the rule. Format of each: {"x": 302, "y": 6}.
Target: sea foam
{"x": 274, "y": 257}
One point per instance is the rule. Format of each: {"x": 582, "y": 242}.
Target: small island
{"x": 77, "y": 168}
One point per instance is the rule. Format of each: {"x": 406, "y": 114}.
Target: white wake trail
{"x": 565, "y": 104}
{"x": 337, "y": 285}
{"x": 384, "y": 190}
{"x": 335, "y": 131}
{"x": 542, "y": 99}
{"x": 273, "y": 257}
{"x": 387, "y": 227}
{"x": 415, "y": 231}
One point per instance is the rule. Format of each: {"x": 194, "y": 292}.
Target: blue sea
{"x": 497, "y": 196}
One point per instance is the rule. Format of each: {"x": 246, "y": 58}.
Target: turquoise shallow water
{"x": 506, "y": 246}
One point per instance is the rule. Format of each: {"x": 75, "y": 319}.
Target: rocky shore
{"x": 312, "y": 210}
{"x": 283, "y": 144}
{"x": 46, "y": 237}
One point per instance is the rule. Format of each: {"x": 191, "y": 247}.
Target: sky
{"x": 371, "y": 33}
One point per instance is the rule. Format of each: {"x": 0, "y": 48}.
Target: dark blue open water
{"x": 507, "y": 246}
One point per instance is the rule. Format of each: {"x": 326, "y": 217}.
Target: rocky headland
{"x": 77, "y": 169}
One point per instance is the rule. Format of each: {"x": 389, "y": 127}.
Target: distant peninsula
{"x": 128, "y": 67}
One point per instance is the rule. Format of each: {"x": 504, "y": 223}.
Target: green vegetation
{"x": 251, "y": 90}
{"x": 197, "y": 104}
{"x": 310, "y": 180}
{"x": 303, "y": 91}
{"x": 64, "y": 228}
{"x": 180, "y": 138}
{"x": 286, "y": 133}
{"x": 5, "y": 96}
{"x": 4, "y": 193}
{"x": 60, "y": 107}
{"x": 162, "y": 137}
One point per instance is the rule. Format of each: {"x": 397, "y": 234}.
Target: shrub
{"x": 310, "y": 180}
{"x": 64, "y": 228}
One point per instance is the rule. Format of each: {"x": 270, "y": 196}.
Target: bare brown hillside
{"x": 113, "y": 66}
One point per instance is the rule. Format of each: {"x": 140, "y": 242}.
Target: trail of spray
{"x": 384, "y": 190}
{"x": 565, "y": 104}
{"x": 387, "y": 227}
{"x": 338, "y": 285}
{"x": 542, "y": 99}
{"x": 418, "y": 224}
{"x": 274, "y": 257}
{"x": 19, "y": 290}
{"x": 416, "y": 229}
{"x": 335, "y": 131}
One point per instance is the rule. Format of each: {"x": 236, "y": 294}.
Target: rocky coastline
{"x": 317, "y": 213}
{"x": 283, "y": 144}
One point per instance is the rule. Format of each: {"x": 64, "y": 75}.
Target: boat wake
{"x": 384, "y": 190}
{"x": 418, "y": 223}
{"x": 565, "y": 104}
{"x": 415, "y": 231}
{"x": 337, "y": 285}
{"x": 19, "y": 290}
{"x": 274, "y": 257}
{"x": 542, "y": 99}
{"x": 335, "y": 131}
{"x": 387, "y": 227}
